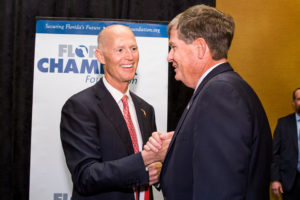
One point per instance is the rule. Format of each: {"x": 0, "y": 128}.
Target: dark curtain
{"x": 17, "y": 31}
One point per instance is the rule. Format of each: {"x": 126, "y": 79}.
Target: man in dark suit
{"x": 285, "y": 171}
{"x": 221, "y": 148}
{"x": 103, "y": 128}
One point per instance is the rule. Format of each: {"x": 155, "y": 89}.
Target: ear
{"x": 201, "y": 47}
{"x": 293, "y": 103}
{"x": 100, "y": 56}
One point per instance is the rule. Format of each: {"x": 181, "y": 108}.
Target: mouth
{"x": 175, "y": 65}
{"x": 127, "y": 66}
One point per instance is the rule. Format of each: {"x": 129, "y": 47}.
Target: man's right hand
{"x": 156, "y": 148}
{"x": 157, "y": 139}
{"x": 276, "y": 188}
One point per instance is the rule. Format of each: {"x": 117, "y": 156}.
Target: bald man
{"x": 104, "y": 127}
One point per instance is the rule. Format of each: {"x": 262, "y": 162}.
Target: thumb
{"x": 168, "y": 135}
{"x": 281, "y": 190}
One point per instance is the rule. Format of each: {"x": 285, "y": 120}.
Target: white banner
{"x": 64, "y": 64}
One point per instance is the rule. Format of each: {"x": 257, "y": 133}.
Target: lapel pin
{"x": 144, "y": 112}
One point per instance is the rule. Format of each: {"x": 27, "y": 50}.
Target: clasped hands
{"x": 154, "y": 154}
{"x": 276, "y": 188}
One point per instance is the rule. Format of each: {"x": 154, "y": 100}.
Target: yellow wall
{"x": 266, "y": 50}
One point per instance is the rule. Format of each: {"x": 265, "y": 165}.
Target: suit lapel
{"x": 113, "y": 113}
{"x": 218, "y": 70}
{"x": 141, "y": 115}
{"x": 294, "y": 131}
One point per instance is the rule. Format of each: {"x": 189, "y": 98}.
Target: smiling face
{"x": 118, "y": 52}
{"x": 184, "y": 59}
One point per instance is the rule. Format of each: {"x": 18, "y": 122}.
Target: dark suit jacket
{"x": 98, "y": 148}
{"x": 285, "y": 152}
{"x": 222, "y": 147}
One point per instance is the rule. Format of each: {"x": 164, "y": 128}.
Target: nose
{"x": 170, "y": 56}
{"x": 129, "y": 54}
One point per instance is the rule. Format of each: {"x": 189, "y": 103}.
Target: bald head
{"x": 118, "y": 52}
{"x": 111, "y": 32}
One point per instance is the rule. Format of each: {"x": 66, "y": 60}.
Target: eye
{"x": 120, "y": 50}
{"x": 172, "y": 46}
{"x": 134, "y": 49}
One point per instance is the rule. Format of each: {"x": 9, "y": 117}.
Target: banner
{"x": 65, "y": 64}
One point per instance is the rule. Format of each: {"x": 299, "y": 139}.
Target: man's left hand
{"x": 154, "y": 170}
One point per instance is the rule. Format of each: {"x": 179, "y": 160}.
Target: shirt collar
{"x": 116, "y": 94}
{"x": 205, "y": 74}
{"x": 297, "y": 117}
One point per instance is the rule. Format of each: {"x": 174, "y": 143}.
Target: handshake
{"x": 154, "y": 153}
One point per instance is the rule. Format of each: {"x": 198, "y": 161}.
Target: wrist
{"x": 148, "y": 157}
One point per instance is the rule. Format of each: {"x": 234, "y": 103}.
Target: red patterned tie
{"x": 130, "y": 125}
{"x": 134, "y": 139}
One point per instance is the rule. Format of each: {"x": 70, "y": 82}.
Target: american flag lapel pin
{"x": 144, "y": 112}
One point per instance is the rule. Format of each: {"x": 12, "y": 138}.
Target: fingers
{"x": 151, "y": 147}
{"x": 154, "y": 172}
{"x": 154, "y": 142}
{"x": 166, "y": 136}
{"x": 275, "y": 192}
{"x": 156, "y": 147}
{"x": 281, "y": 190}
{"x": 153, "y": 176}
{"x": 277, "y": 188}
{"x": 153, "y": 181}
{"x": 156, "y": 137}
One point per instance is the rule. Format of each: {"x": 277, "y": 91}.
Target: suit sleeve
{"x": 222, "y": 143}
{"x": 83, "y": 152}
{"x": 276, "y": 144}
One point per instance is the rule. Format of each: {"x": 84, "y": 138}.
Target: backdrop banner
{"x": 65, "y": 64}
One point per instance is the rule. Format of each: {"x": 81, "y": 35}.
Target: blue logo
{"x": 75, "y": 60}
{"x": 79, "y": 60}
{"x": 81, "y": 51}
